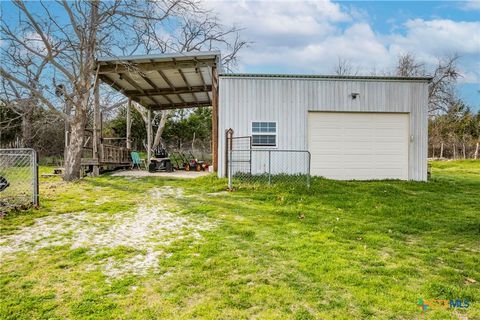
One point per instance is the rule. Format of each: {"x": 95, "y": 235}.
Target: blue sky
{"x": 310, "y": 37}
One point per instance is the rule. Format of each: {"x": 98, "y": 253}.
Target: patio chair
{"x": 137, "y": 162}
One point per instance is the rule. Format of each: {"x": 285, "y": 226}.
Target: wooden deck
{"x": 109, "y": 155}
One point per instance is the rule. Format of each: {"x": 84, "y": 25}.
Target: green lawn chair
{"x": 137, "y": 162}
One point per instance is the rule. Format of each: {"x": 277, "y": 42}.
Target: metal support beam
{"x": 188, "y": 85}
{"x": 149, "y": 135}
{"x": 97, "y": 126}
{"x": 184, "y": 79}
{"x": 181, "y": 98}
{"x": 129, "y": 124}
{"x": 169, "y": 100}
{"x": 172, "y": 87}
{"x": 215, "y": 118}
{"x": 206, "y": 88}
{"x": 164, "y": 91}
{"x": 165, "y": 78}
{"x": 182, "y": 105}
{"x": 150, "y": 83}
{"x": 197, "y": 70}
{"x": 151, "y": 66}
{"x": 111, "y": 82}
{"x": 135, "y": 85}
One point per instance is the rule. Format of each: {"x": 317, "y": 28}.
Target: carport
{"x": 160, "y": 82}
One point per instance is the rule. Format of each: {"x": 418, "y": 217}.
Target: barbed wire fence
{"x": 18, "y": 178}
{"x": 261, "y": 165}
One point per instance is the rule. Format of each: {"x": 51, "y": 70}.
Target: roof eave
{"x": 161, "y": 57}
{"x": 325, "y": 77}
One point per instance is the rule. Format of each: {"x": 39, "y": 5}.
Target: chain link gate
{"x": 245, "y": 163}
{"x": 18, "y": 178}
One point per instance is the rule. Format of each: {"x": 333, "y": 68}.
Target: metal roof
{"x": 327, "y": 77}
{"x": 162, "y": 81}
{"x": 164, "y": 56}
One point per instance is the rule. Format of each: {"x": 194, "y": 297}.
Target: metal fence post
{"x": 309, "y": 157}
{"x": 35, "y": 177}
{"x": 250, "y": 158}
{"x": 230, "y": 184}
{"x": 269, "y": 167}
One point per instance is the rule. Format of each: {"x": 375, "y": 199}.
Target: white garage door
{"x": 358, "y": 146}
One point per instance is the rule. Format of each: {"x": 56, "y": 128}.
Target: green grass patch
{"x": 336, "y": 250}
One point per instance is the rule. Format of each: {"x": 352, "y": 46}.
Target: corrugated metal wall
{"x": 288, "y": 101}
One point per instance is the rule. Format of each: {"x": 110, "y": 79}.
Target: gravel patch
{"x": 155, "y": 223}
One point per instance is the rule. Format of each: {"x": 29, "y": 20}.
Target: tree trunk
{"x": 161, "y": 127}
{"x": 464, "y": 151}
{"x": 454, "y": 151}
{"x": 441, "y": 150}
{"x": 74, "y": 152}
{"x": 433, "y": 151}
{"x": 477, "y": 146}
{"x": 26, "y": 131}
{"x": 68, "y": 109}
{"x": 193, "y": 143}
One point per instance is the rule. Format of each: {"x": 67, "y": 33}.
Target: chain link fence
{"x": 269, "y": 166}
{"x": 18, "y": 178}
{"x": 247, "y": 164}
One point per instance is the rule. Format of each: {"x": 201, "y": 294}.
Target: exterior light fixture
{"x": 354, "y": 95}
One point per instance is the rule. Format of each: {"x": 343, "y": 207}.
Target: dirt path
{"x": 153, "y": 224}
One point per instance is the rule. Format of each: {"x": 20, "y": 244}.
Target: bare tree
{"x": 196, "y": 32}
{"x": 407, "y": 66}
{"x": 345, "y": 68}
{"x": 163, "y": 115}
{"x": 445, "y": 75}
{"x": 449, "y": 122}
{"x": 68, "y": 51}
{"x": 441, "y": 92}
{"x": 20, "y": 101}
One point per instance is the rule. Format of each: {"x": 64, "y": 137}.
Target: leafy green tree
{"x": 185, "y": 129}
{"x": 117, "y": 127}
{"x": 189, "y": 129}
{"x": 458, "y": 128}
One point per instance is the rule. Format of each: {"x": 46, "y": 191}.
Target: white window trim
{"x": 264, "y": 133}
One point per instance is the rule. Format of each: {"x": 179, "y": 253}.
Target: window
{"x": 264, "y": 134}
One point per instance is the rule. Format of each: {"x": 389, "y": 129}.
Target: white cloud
{"x": 34, "y": 41}
{"x": 469, "y": 77}
{"x": 471, "y": 5}
{"x": 309, "y": 37}
{"x": 357, "y": 44}
{"x": 273, "y": 22}
{"x": 437, "y": 37}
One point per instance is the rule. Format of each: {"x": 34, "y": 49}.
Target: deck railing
{"x": 113, "y": 154}
{"x": 107, "y": 155}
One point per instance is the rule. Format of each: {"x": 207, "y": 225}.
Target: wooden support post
{"x": 97, "y": 127}
{"x": 215, "y": 118}
{"x": 149, "y": 135}
{"x": 129, "y": 124}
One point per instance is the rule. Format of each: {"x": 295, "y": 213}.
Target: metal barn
{"x": 351, "y": 127}
{"x": 355, "y": 127}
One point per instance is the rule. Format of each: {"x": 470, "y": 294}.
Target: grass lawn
{"x": 123, "y": 248}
